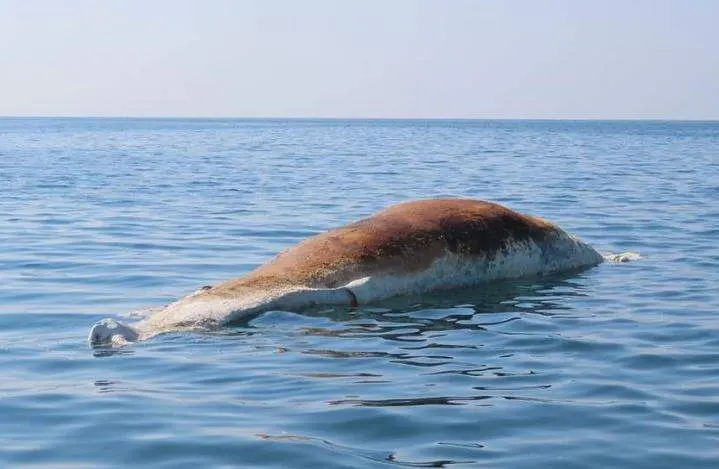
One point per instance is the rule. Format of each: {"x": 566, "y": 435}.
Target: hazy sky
{"x": 368, "y": 58}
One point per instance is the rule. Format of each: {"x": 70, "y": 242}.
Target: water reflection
{"x": 422, "y": 319}
{"x": 107, "y": 351}
{"x": 372, "y": 455}
{"x": 449, "y": 348}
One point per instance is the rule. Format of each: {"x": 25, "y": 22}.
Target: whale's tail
{"x": 109, "y": 332}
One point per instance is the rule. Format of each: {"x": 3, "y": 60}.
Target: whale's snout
{"x": 111, "y": 332}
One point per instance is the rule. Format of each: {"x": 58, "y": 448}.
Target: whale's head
{"x": 109, "y": 332}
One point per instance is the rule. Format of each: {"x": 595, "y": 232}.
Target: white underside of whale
{"x": 203, "y": 311}
{"x": 523, "y": 259}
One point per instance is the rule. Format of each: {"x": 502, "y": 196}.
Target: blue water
{"x": 617, "y": 366}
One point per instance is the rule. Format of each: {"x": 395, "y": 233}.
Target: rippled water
{"x": 617, "y": 366}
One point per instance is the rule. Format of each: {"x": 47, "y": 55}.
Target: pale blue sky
{"x": 371, "y": 58}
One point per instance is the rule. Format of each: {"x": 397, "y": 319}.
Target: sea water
{"x": 615, "y": 366}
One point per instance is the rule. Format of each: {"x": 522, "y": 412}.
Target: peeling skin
{"x": 408, "y": 248}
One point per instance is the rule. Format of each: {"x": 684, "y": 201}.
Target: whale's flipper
{"x": 112, "y": 333}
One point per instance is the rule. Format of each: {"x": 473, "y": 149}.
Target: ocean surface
{"x": 615, "y": 366}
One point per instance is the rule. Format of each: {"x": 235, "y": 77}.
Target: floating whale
{"x": 409, "y": 248}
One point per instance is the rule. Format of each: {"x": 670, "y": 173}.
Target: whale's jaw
{"x": 109, "y": 332}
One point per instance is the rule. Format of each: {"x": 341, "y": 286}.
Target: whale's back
{"x": 403, "y": 239}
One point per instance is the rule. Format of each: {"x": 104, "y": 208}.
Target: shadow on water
{"x": 474, "y": 308}
{"x": 372, "y": 455}
{"x": 109, "y": 351}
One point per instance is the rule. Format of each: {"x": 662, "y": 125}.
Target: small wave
{"x": 140, "y": 313}
{"x": 371, "y": 454}
{"x": 621, "y": 257}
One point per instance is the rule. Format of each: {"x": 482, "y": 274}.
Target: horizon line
{"x": 328, "y": 118}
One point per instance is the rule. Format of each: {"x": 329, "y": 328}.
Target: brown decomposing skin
{"x": 401, "y": 239}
